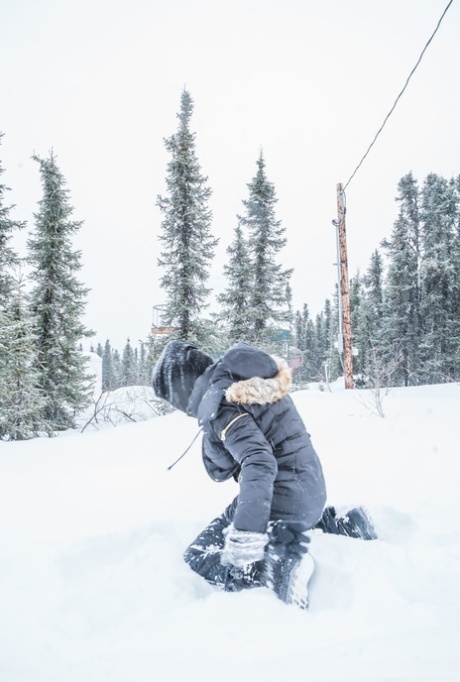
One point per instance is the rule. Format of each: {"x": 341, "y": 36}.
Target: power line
{"x": 399, "y": 96}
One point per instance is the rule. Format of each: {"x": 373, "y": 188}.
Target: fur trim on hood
{"x": 261, "y": 391}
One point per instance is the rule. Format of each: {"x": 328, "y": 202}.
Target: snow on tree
{"x": 21, "y": 398}
{"x": 440, "y": 218}
{"x": 8, "y": 256}
{"x": 188, "y": 246}
{"x": 109, "y": 379}
{"x": 235, "y": 300}
{"x": 454, "y": 297}
{"x": 144, "y": 370}
{"x": 402, "y": 294}
{"x": 57, "y": 301}
{"x": 367, "y": 320}
{"x": 128, "y": 366}
{"x": 116, "y": 364}
{"x": 300, "y": 324}
{"x": 289, "y": 308}
{"x": 269, "y": 309}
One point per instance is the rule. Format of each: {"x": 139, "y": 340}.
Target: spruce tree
{"x": 8, "y": 256}
{"x": 117, "y": 371}
{"x": 402, "y": 314}
{"x": 335, "y": 357}
{"x": 356, "y": 294}
{"x": 144, "y": 369}
{"x": 322, "y": 326}
{"x": 269, "y": 307}
{"x": 188, "y": 246}
{"x": 57, "y": 301}
{"x": 311, "y": 356}
{"x": 300, "y": 341}
{"x": 373, "y": 284}
{"x": 289, "y": 308}
{"x": 328, "y": 325}
{"x": 369, "y": 340}
{"x": 235, "y": 300}
{"x": 109, "y": 382}
{"x": 299, "y": 327}
{"x": 21, "y": 399}
{"x": 454, "y": 298}
{"x": 128, "y": 366}
{"x": 440, "y": 333}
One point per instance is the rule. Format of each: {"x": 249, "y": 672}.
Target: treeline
{"x": 256, "y": 305}
{"x": 132, "y": 367}
{"x": 405, "y": 307}
{"x": 44, "y": 381}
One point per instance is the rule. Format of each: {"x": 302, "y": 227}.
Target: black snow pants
{"x": 203, "y": 555}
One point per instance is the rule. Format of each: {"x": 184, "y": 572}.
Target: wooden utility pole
{"x": 344, "y": 292}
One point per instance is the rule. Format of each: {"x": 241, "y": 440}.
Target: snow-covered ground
{"x": 93, "y": 526}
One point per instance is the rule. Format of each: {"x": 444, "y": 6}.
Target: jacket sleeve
{"x": 248, "y": 445}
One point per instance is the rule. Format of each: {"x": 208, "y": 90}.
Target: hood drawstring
{"x": 185, "y": 452}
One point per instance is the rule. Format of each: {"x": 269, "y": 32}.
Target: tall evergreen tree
{"x": 117, "y": 369}
{"x": 269, "y": 306}
{"x": 335, "y": 355}
{"x": 455, "y": 288}
{"x": 373, "y": 283}
{"x": 305, "y": 339}
{"x": 188, "y": 246}
{"x": 109, "y": 381}
{"x": 128, "y": 366}
{"x": 300, "y": 327}
{"x": 369, "y": 339}
{"x": 439, "y": 223}
{"x": 402, "y": 318}
{"x": 289, "y": 308}
{"x": 356, "y": 295}
{"x": 311, "y": 356}
{"x": 299, "y": 333}
{"x": 235, "y": 300}
{"x": 328, "y": 326}
{"x": 144, "y": 369}
{"x": 21, "y": 399}
{"x": 58, "y": 301}
{"x": 8, "y": 256}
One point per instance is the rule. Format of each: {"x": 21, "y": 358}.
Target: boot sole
{"x": 297, "y": 593}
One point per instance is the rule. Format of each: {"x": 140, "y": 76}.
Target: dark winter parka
{"x": 253, "y": 432}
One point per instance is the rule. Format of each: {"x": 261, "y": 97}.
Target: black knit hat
{"x": 176, "y": 371}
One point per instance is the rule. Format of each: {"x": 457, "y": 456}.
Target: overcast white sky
{"x": 310, "y": 82}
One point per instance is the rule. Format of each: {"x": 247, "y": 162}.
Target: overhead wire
{"x": 400, "y": 95}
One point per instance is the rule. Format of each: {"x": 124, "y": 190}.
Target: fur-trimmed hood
{"x": 244, "y": 375}
{"x": 260, "y": 391}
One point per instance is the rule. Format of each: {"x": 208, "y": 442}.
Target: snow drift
{"x": 93, "y": 526}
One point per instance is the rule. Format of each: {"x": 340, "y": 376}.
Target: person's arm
{"x": 248, "y": 446}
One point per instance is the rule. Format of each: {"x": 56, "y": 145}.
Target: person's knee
{"x": 203, "y": 554}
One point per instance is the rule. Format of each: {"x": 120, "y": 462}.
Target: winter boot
{"x": 288, "y": 565}
{"x": 356, "y": 523}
